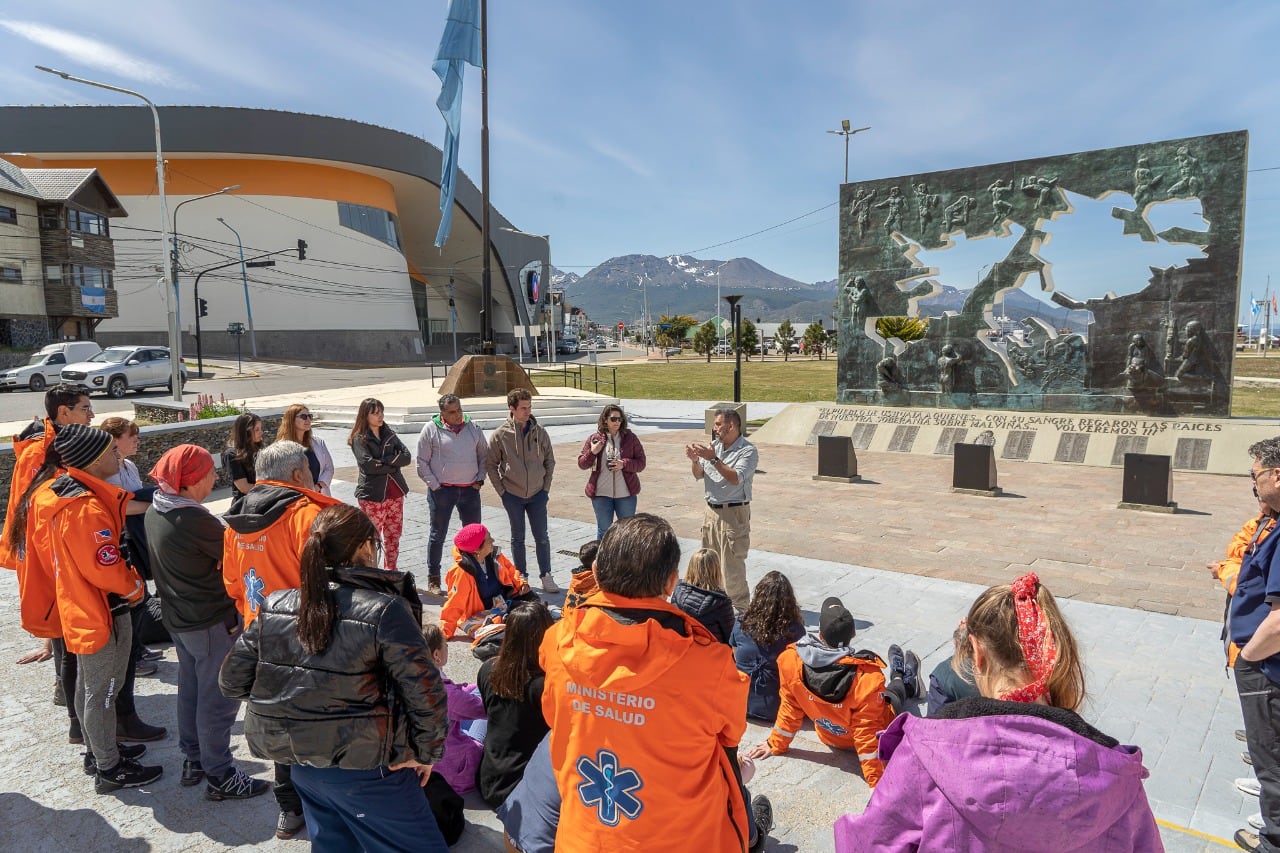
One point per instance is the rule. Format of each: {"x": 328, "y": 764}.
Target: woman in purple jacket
{"x": 615, "y": 458}
{"x": 1016, "y": 768}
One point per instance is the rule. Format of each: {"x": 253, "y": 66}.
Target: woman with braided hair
{"x": 1014, "y": 768}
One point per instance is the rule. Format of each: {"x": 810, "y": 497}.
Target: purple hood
{"x": 1002, "y": 776}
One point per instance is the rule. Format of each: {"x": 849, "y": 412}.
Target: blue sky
{"x": 672, "y": 127}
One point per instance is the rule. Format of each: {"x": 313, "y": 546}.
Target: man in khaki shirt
{"x": 726, "y": 468}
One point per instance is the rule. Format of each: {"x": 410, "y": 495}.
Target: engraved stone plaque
{"x": 904, "y": 436}
{"x": 1128, "y": 444}
{"x": 1192, "y": 454}
{"x": 862, "y": 435}
{"x": 820, "y": 428}
{"x": 1072, "y": 447}
{"x": 1018, "y": 444}
{"x": 951, "y": 436}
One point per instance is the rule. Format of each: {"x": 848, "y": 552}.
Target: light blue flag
{"x": 459, "y": 43}
{"x": 1253, "y": 305}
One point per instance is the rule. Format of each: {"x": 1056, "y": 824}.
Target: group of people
{"x": 614, "y": 723}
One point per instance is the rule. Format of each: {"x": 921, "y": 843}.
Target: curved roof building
{"x": 372, "y": 289}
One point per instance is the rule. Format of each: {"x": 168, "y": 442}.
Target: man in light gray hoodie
{"x": 451, "y": 461}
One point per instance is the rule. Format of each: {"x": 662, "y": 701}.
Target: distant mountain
{"x": 682, "y": 284}
{"x": 1015, "y": 304}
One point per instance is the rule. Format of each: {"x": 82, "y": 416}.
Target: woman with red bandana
{"x": 1015, "y": 768}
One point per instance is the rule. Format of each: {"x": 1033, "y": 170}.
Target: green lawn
{"x": 1256, "y": 365}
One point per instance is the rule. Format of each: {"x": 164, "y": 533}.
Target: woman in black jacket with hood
{"x": 340, "y": 684}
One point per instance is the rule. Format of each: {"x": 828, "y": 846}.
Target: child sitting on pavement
{"x": 461, "y": 751}
{"x": 583, "y": 584}
{"x": 836, "y": 687}
{"x": 482, "y": 585}
{"x": 701, "y": 594}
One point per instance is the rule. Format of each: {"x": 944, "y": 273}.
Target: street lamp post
{"x": 175, "y": 341}
{"x": 846, "y": 133}
{"x": 735, "y": 311}
{"x": 719, "y": 337}
{"x": 173, "y": 254}
{"x": 244, "y": 280}
{"x": 644, "y": 289}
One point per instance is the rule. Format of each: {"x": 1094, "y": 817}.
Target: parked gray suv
{"x": 115, "y": 370}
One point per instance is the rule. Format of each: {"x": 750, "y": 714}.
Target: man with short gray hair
{"x": 726, "y": 468}
{"x": 262, "y": 552}
{"x": 452, "y": 453}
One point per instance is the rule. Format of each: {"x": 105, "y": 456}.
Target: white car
{"x": 116, "y": 370}
{"x": 44, "y": 368}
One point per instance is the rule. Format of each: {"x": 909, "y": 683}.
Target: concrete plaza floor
{"x": 906, "y": 556}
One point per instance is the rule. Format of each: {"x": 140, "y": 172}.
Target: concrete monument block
{"x": 486, "y": 376}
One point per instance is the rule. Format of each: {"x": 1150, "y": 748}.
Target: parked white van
{"x": 44, "y": 368}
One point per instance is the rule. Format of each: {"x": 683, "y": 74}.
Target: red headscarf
{"x": 181, "y": 466}
{"x": 1036, "y": 639}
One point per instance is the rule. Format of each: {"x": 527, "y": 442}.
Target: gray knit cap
{"x": 80, "y": 446}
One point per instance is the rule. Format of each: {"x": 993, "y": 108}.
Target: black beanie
{"x": 835, "y": 623}
{"x": 80, "y": 446}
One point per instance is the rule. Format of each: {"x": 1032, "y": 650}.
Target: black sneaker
{"x": 897, "y": 663}
{"x": 126, "y": 774}
{"x": 911, "y": 676}
{"x": 145, "y": 667}
{"x": 762, "y": 815}
{"x": 131, "y": 728}
{"x": 74, "y": 732}
{"x": 289, "y": 825}
{"x": 133, "y": 751}
{"x": 151, "y": 654}
{"x": 192, "y": 773}
{"x": 237, "y": 786}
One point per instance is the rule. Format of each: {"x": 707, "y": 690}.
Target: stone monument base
{"x": 486, "y": 376}
{"x": 1203, "y": 445}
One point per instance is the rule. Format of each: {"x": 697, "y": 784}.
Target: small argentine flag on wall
{"x": 94, "y": 298}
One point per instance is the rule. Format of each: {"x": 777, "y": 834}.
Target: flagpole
{"x": 487, "y": 346}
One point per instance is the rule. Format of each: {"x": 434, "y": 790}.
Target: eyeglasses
{"x": 305, "y": 417}
{"x": 1254, "y": 474}
{"x": 615, "y": 419}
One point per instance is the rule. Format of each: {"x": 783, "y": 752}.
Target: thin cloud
{"x": 622, "y": 158}
{"x": 91, "y": 52}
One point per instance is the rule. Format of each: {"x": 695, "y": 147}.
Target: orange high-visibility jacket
{"x": 852, "y": 721}
{"x": 28, "y": 459}
{"x": 463, "y": 600}
{"x": 78, "y": 518}
{"x": 262, "y": 546}
{"x": 642, "y": 702}
{"x": 1229, "y": 568}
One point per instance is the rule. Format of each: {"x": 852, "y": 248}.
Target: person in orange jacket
{"x": 646, "y": 711}
{"x": 481, "y": 586}
{"x": 1225, "y": 571}
{"x": 81, "y": 516}
{"x": 262, "y": 553}
{"x": 840, "y": 690}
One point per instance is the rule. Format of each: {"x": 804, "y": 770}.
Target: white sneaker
{"x": 549, "y": 585}
{"x": 1249, "y": 785}
{"x": 1255, "y": 820}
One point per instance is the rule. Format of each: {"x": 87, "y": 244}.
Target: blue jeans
{"x": 607, "y": 508}
{"x": 366, "y": 810}
{"x": 442, "y": 502}
{"x": 205, "y": 716}
{"x": 536, "y": 508}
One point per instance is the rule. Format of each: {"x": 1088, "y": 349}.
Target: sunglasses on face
{"x": 305, "y": 417}
{"x": 615, "y": 419}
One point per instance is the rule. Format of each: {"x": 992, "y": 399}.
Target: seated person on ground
{"x": 583, "y": 584}
{"x": 772, "y": 622}
{"x": 947, "y": 683}
{"x": 836, "y": 687}
{"x": 701, "y": 594}
{"x": 482, "y": 585}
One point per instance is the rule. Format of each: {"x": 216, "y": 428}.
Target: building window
{"x": 372, "y": 221}
{"x": 10, "y": 274}
{"x": 9, "y": 215}
{"x": 82, "y": 276}
{"x": 84, "y": 222}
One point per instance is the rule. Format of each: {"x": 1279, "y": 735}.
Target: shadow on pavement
{"x": 27, "y": 825}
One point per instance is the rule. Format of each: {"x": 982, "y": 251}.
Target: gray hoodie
{"x": 448, "y": 457}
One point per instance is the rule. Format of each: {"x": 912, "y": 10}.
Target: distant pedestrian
{"x": 451, "y": 461}
{"x": 615, "y": 457}
{"x": 296, "y": 426}
{"x": 726, "y": 468}
{"x": 350, "y": 633}
{"x": 237, "y": 459}
{"x": 520, "y": 466}
{"x": 186, "y": 555}
{"x": 380, "y": 454}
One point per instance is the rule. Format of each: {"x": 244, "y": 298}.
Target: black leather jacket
{"x": 373, "y": 697}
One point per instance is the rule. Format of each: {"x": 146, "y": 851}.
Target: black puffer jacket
{"x": 711, "y": 607}
{"x": 380, "y": 459}
{"x": 373, "y": 697}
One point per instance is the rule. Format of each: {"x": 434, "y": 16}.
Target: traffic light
{"x": 302, "y": 250}
{"x": 204, "y": 307}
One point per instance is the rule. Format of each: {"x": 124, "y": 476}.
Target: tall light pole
{"x": 244, "y": 280}
{"x": 175, "y": 341}
{"x": 735, "y": 311}
{"x": 546, "y": 272}
{"x": 716, "y": 312}
{"x": 173, "y": 259}
{"x": 846, "y": 133}
{"x": 644, "y": 289}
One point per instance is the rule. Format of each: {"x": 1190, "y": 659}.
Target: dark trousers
{"x": 366, "y": 810}
{"x": 64, "y": 663}
{"x": 205, "y": 716}
{"x": 442, "y": 502}
{"x": 1260, "y": 703}
{"x": 535, "y": 507}
{"x": 286, "y": 795}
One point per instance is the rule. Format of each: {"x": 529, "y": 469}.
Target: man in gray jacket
{"x": 520, "y": 466}
{"x": 451, "y": 461}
